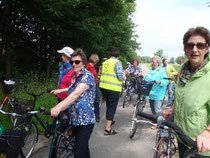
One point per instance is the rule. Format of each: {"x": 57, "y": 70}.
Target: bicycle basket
{"x": 21, "y": 106}
{"x": 11, "y": 143}
{"x": 9, "y": 86}
{"x": 144, "y": 87}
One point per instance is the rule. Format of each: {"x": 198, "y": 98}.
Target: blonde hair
{"x": 93, "y": 58}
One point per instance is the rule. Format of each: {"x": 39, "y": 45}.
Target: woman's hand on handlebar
{"x": 139, "y": 74}
{"x": 55, "y": 91}
{"x": 158, "y": 82}
{"x": 203, "y": 141}
{"x": 167, "y": 112}
{"x": 54, "y": 112}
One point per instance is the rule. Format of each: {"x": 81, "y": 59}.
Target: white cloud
{"x": 162, "y": 24}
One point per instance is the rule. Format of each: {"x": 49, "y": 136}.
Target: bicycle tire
{"x": 125, "y": 99}
{"x": 161, "y": 147}
{"x": 31, "y": 137}
{"x": 64, "y": 145}
{"x": 133, "y": 122}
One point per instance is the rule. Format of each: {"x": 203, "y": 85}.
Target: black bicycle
{"x": 165, "y": 145}
{"x": 129, "y": 91}
{"x": 143, "y": 87}
{"x": 62, "y": 144}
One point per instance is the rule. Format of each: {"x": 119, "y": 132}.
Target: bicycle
{"x": 62, "y": 144}
{"x": 164, "y": 145}
{"x": 5, "y": 137}
{"x": 143, "y": 87}
{"x": 8, "y": 86}
{"x": 129, "y": 90}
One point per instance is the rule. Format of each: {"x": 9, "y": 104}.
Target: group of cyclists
{"x": 78, "y": 91}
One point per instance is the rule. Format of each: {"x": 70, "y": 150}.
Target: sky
{"x": 161, "y": 24}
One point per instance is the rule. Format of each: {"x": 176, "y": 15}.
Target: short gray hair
{"x": 158, "y": 59}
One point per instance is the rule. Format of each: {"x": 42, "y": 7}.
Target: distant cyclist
{"x": 128, "y": 64}
{"x": 134, "y": 69}
{"x": 171, "y": 73}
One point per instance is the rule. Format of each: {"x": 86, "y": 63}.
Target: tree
{"x": 160, "y": 53}
{"x": 172, "y": 60}
{"x": 145, "y": 59}
{"x": 181, "y": 59}
{"x": 37, "y": 28}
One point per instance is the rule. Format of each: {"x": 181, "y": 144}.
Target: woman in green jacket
{"x": 192, "y": 96}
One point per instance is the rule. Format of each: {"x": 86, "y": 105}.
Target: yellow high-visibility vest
{"x": 109, "y": 78}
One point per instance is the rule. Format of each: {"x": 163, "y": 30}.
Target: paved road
{"x": 117, "y": 146}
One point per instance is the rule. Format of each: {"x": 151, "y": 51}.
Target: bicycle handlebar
{"x": 172, "y": 125}
{"x": 168, "y": 78}
{"x": 33, "y": 94}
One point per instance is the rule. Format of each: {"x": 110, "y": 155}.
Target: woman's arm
{"x": 82, "y": 87}
{"x": 56, "y": 91}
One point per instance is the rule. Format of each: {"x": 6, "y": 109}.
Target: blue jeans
{"x": 171, "y": 87}
{"x": 132, "y": 86}
{"x": 155, "y": 106}
{"x": 96, "y": 103}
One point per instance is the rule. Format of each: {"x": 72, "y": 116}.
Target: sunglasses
{"x": 198, "y": 45}
{"x": 76, "y": 62}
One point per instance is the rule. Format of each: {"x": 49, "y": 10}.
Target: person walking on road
{"x": 192, "y": 98}
{"x": 171, "y": 73}
{"x": 93, "y": 59}
{"x": 111, "y": 85}
{"x": 65, "y": 72}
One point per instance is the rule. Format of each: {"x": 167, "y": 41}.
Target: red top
{"x": 65, "y": 83}
{"x": 93, "y": 71}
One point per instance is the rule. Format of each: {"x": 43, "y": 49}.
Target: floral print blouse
{"x": 82, "y": 109}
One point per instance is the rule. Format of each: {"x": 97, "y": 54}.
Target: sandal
{"x": 110, "y": 132}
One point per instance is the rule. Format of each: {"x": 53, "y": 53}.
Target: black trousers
{"x": 112, "y": 98}
{"x": 82, "y": 135}
{"x": 183, "y": 148}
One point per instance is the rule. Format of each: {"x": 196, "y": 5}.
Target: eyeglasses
{"x": 76, "y": 62}
{"x": 198, "y": 45}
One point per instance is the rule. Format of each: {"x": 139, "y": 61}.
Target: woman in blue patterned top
{"x": 136, "y": 70}
{"x": 80, "y": 103}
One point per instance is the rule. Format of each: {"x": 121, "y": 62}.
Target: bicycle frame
{"x": 6, "y": 98}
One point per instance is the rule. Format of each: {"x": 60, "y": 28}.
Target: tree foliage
{"x": 160, "y": 53}
{"x": 32, "y": 31}
{"x": 180, "y": 59}
{"x": 172, "y": 60}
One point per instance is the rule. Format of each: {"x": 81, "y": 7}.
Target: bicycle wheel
{"x": 126, "y": 98}
{"x": 163, "y": 148}
{"x": 133, "y": 122}
{"x": 64, "y": 145}
{"x": 31, "y": 137}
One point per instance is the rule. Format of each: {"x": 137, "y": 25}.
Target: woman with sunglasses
{"x": 192, "y": 98}
{"x": 80, "y": 103}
